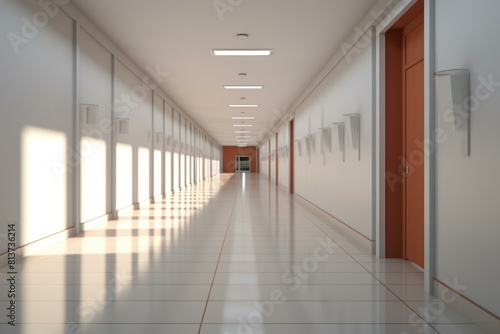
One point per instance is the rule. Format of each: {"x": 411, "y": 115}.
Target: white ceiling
{"x": 177, "y": 36}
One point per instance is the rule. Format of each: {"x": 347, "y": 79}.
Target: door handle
{"x": 406, "y": 170}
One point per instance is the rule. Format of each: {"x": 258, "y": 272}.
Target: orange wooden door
{"x": 413, "y": 76}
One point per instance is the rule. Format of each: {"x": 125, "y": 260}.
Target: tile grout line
{"x": 217, "y": 266}
{"x": 372, "y": 274}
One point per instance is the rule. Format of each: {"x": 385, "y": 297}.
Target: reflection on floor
{"x": 232, "y": 255}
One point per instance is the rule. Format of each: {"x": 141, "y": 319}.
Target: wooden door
{"x": 413, "y": 102}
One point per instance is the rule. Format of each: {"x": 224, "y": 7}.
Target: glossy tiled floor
{"x": 231, "y": 255}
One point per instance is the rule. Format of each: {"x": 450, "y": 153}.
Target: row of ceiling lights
{"x": 242, "y": 136}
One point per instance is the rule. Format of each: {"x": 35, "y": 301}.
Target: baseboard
{"x": 91, "y": 224}
{"x": 125, "y": 210}
{"x": 283, "y": 188}
{"x": 481, "y": 317}
{"x": 362, "y": 241}
{"x": 158, "y": 198}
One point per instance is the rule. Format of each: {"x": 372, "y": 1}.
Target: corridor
{"x": 233, "y": 254}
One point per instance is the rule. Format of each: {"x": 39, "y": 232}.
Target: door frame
{"x": 291, "y": 154}
{"x": 429, "y": 127}
{"x": 237, "y": 165}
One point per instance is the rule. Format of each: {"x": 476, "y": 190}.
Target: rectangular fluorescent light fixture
{"x": 242, "y": 137}
{"x": 242, "y": 131}
{"x": 243, "y": 106}
{"x": 242, "y": 53}
{"x": 242, "y": 145}
{"x": 243, "y": 86}
{"x": 242, "y": 141}
{"x": 243, "y": 117}
{"x": 243, "y": 125}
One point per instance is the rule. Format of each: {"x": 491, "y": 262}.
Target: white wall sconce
{"x": 326, "y": 140}
{"x": 91, "y": 113}
{"x": 158, "y": 137}
{"x": 452, "y": 91}
{"x": 285, "y": 152}
{"x": 309, "y": 144}
{"x": 123, "y": 126}
{"x": 298, "y": 144}
{"x": 338, "y": 138}
{"x": 353, "y": 133}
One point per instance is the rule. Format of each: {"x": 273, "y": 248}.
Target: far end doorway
{"x": 242, "y": 164}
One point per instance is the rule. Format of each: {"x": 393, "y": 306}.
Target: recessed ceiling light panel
{"x": 243, "y": 87}
{"x": 242, "y": 131}
{"x": 243, "y": 117}
{"x": 241, "y": 52}
{"x": 243, "y": 125}
{"x": 243, "y": 106}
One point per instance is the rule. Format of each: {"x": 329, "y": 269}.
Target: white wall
{"x": 95, "y": 87}
{"x": 468, "y": 188}
{"x": 36, "y": 103}
{"x": 133, "y": 147}
{"x": 264, "y": 159}
{"x": 168, "y": 149}
{"x": 343, "y": 189}
{"x": 284, "y": 155}
{"x": 273, "y": 157}
{"x": 37, "y": 123}
{"x": 158, "y": 142}
{"x": 183, "y": 153}
{"x": 176, "y": 151}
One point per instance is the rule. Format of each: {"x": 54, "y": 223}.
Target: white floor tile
{"x": 281, "y": 267}
{"x": 152, "y": 270}
{"x": 99, "y": 311}
{"x": 409, "y": 292}
{"x": 297, "y": 278}
{"x": 308, "y": 312}
{"x": 120, "y": 293}
{"x": 99, "y": 329}
{"x": 437, "y": 312}
{"x": 304, "y": 293}
{"x": 102, "y": 278}
{"x": 400, "y": 278}
{"x": 390, "y": 267}
{"x": 314, "y": 329}
{"x": 467, "y": 329}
